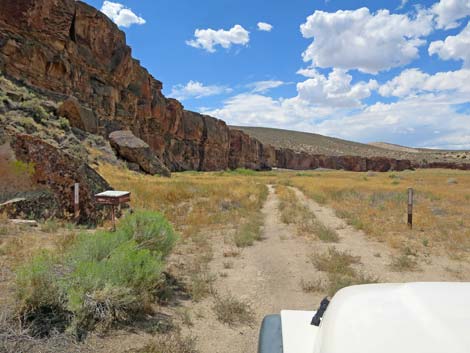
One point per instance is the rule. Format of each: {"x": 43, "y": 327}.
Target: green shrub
{"x": 37, "y": 286}
{"x": 34, "y": 107}
{"x": 95, "y": 247}
{"x": 64, "y": 123}
{"x": 101, "y": 279}
{"x": 150, "y": 230}
{"x": 241, "y": 171}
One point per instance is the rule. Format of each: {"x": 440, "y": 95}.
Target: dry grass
{"x": 312, "y": 286}
{"x": 193, "y": 201}
{"x": 377, "y": 205}
{"x": 339, "y": 267}
{"x": 335, "y": 261}
{"x": 232, "y": 311}
{"x": 173, "y": 343}
{"x": 293, "y": 212}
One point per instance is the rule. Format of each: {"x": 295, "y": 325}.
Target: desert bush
{"x": 101, "y": 279}
{"x": 232, "y": 311}
{"x": 312, "y": 286}
{"x": 337, "y": 281}
{"x": 403, "y": 262}
{"x": 201, "y": 285}
{"x": 325, "y": 234}
{"x": 37, "y": 285}
{"x": 174, "y": 343}
{"x": 34, "y": 107}
{"x": 248, "y": 233}
{"x": 150, "y": 230}
{"x": 335, "y": 261}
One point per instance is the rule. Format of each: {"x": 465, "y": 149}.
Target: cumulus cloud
{"x": 424, "y": 121}
{"x": 317, "y": 97}
{"x": 195, "y": 89}
{"x": 121, "y": 15}
{"x": 263, "y": 26}
{"x": 334, "y": 90}
{"x": 264, "y": 86}
{"x": 369, "y": 42}
{"x": 448, "y": 12}
{"x": 252, "y": 109}
{"x": 415, "y": 82}
{"x": 453, "y": 47}
{"x": 208, "y": 38}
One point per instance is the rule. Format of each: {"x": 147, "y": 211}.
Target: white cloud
{"x": 318, "y": 97}
{"x": 402, "y": 4}
{"x": 263, "y": 26}
{"x": 264, "y": 86}
{"x": 413, "y": 82}
{"x": 364, "y": 41}
{"x": 195, "y": 89}
{"x": 250, "y": 109}
{"x": 448, "y": 12}
{"x": 208, "y": 38}
{"x": 334, "y": 90}
{"x": 121, "y": 15}
{"x": 453, "y": 47}
{"x": 424, "y": 121}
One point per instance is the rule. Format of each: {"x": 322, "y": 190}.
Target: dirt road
{"x": 268, "y": 274}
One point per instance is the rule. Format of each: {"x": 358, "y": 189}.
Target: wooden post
{"x": 410, "y": 208}
{"x": 113, "y": 216}
{"x": 76, "y": 201}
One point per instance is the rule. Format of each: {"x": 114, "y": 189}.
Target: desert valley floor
{"x": 251, "y": 244}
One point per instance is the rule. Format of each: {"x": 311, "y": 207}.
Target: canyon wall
{"x": 74, "y": 53}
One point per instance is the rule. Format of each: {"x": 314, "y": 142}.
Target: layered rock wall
{"x": 70, "y": 50}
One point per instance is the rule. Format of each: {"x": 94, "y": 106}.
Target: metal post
{"x": 410, "y": 208}
{"x": 76, "y": 201}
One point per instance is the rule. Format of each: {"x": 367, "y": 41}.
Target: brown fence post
{"x": 76, "y": 201}
{"x": 410, "y": 207}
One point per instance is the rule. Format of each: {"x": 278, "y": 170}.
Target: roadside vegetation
{"x": 64, "y": 283}
{"x": 294, "y": 212}
{"x": 101, "y": 280}
{"x": 377, "y": 202}
{"x": 340, "y": 269}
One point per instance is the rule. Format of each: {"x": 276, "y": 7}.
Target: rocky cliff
{"x": 73, "y": 52}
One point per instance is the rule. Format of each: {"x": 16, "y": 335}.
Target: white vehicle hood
{"x": 298, "y": 336}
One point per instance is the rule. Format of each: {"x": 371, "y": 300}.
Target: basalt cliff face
{"x": 74, "y": 53}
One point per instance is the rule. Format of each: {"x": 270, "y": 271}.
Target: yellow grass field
{"x": 373, "y": 202}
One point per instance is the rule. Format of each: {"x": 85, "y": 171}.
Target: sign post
{"x": 76, "y": 201}
{"x": 113, "y": 199}
{"x": 410, "y": 207}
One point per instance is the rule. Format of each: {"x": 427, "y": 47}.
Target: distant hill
{"x": 320, "y": 144}
{"x": 397, "y": 148}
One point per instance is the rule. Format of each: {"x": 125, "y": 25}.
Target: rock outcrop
{"x": 58, "y": 172}
{"x": 134, "y": 150}
{"x": 73, "y": 52}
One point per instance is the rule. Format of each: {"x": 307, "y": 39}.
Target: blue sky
{"x": 395, "y": 71}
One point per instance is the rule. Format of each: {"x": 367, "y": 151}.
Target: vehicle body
{"x": 377, "y": 318}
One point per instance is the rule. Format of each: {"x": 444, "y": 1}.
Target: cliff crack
{"x": 202, "y": 149}
{"x": 72, "y": 32}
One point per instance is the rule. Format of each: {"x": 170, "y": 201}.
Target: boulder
{"x": 57, "y": 171}
{"x": 135, "y": 150}
{"x": 79, "y": 116}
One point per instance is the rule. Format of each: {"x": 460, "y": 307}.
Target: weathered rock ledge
{"x": 70, "y": 50}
